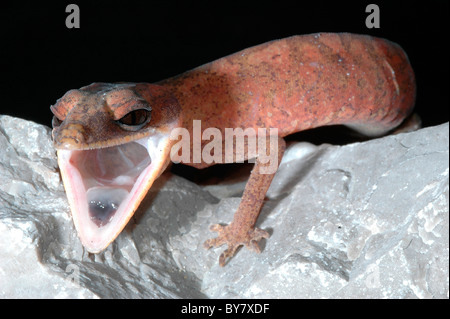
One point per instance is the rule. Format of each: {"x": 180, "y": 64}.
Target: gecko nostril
{"x": 70, "y": 137}
{"x": 79, "y": 137}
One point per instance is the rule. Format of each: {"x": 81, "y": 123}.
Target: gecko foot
{"x": 234, "y": 237}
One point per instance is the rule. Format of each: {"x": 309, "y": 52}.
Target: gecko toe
{"x": 253, "y": 246}
{"x": 227, "y": 254}
{"x": 212, "y": 242}
{"x": 219, "y": 240}
{"x": 259, "y": 234}
{"x": 217, "y": 228}
{"x": 255, "y": 236}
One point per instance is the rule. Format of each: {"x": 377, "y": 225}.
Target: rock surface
{"x": 364, "y": 220}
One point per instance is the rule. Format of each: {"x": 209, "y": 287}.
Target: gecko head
{"x": 112, "y": 142}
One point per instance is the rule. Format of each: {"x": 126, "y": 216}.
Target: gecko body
{"x": 113, "y": 140}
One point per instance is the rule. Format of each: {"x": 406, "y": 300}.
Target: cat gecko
{"x": 114, "y": 140}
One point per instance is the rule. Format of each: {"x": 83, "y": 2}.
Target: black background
{"x": 147, "y": 41}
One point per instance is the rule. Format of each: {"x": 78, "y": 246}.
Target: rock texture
{"x": 365, "y": 220}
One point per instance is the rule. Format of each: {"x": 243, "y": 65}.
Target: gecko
{"x": 113, "y": 140}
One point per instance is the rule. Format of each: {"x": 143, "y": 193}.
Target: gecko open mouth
{"x": 108, "y": 175}
{"x": 106, "y": 185}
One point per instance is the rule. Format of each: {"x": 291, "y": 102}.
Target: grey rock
{"x": 365, "y": 220}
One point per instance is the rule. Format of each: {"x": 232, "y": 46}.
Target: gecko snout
{"x": 72, "y": 136}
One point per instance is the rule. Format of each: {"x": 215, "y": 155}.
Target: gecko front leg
{"x": 242, "y": 230}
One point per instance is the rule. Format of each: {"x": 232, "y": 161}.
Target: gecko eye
{"x": 135, "y": 120}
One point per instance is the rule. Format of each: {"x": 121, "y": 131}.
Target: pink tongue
{"x": 109, "y": 175}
